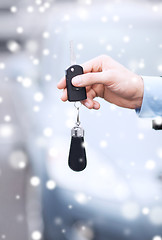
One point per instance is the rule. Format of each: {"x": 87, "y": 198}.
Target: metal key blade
{"x": 72, "y": 53}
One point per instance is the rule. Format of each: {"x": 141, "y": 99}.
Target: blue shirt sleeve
{"x": 152, "y": 98}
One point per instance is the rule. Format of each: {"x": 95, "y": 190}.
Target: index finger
{"x": 93, "y": 65}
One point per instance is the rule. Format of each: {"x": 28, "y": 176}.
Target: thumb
{"x": 88, "y": 79}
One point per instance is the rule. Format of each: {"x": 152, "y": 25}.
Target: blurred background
{"x": 119, "y": 195}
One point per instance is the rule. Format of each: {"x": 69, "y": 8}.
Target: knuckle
{"x": 112, "y": 75}
{"x": 104, "y": 57}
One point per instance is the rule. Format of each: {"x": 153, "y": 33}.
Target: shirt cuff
{"x": 152, "y": 98}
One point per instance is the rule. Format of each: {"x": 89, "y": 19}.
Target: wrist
{"x": 139, "y": 92}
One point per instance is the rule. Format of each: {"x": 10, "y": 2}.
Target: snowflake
{"x": 13, "y": 46}
{"x": 145, "y": 211}
{"x": 159, "y": 152}
{"x": 36, "y": 235}
{"x": 35, "y": 61}
{"x": 104, "y": 19}
{"x": 85, "y": 144}
{"x": 140, "y": 136}
{"x": 63, "y": 230}
{"x": 36, "y": 108}
{"x": 7, "y": 118}
{"x": 19, "y": 79}
{"x": 116, "y": 18}
{"x": 132, "y": 164}
{"x": 48, "y": 77}
{"x": 102, "y": 40}
{"x": 38, "y": 97}
{"x": 109, "y": 47}
{"x": 6, "y": 131}
{"x": 26, "y": 82}
{"x": 88, "y": 2}
{"x": 19, "y": 30}
{"x": 126, "y": 39}
{"x": 41, "y": 9}
{"x": 155, "y": 215}
{"x": 1, "y": 99}
{"x": 141, "y": 64}
{"x": 50, "y": 184}
{"x": 3, "y": 236}
{"x": 83, "y": 14}
{"x": 30, "y": 9}
{"x": 38, "y": 2}
{"x": 48, "y": 132}
{"x": 47, "y": 5}
{"x": 18, "y": 159}
{"x": 35, "y": 181}
{"x": 58, "y": 221}
{"x": 130, "y": 210}
{"x": 2, "y": 65}
{"x": 155, "y": 8}
{"x": 45, "y": 52}
{"x": 66, "y": 18}
{"x": 160, "y": 68}
{"x": 46, "y": 35}
{"x": 103, "y": 144}
{"x": 13, "y": 9}
{"x": 79, "y": 46}
{"x": 81, "y": 198}
{"x": 53, "y": 152}
{"x": 157, "y": 238}
{"x": 17, "y": 197}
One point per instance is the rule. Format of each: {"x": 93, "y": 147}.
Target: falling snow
{"x": 118, "y": 153}
{"x": 35, "y": 181}
{"x": 36, "y": 235}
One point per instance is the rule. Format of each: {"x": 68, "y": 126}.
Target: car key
{"x": 77, "y": 160}
{"x": 74, "y": 93}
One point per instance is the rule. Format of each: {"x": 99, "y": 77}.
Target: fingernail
{"x": 87, "y": 104}
{"x": 95, "y": 105}
{"x": 76, "y": 81}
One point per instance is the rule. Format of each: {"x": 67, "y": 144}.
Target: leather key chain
{"x": 77, "y": 156}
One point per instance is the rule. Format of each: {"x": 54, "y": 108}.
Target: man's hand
{"x": 104, "y": 77}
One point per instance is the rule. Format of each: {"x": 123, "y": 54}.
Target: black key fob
{"x": 74, "y": 93}
{"x": 77, "y": 155}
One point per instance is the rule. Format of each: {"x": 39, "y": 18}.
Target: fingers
{"x": 92, "y": 78}
{"x": 62, "y": 83}
{"x": 96, "y": 105}
{"x": 96, "y": 64}
{"x": 91, "y": 104}
{"x": 64, "y": 95}
{"x": 93, "y": 65}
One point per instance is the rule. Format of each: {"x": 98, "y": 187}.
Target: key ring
{"x": 77, "y": 107}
